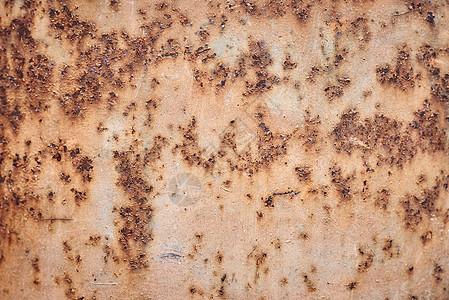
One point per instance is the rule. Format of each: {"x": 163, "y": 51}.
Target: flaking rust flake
{"x": 272, "y": 149}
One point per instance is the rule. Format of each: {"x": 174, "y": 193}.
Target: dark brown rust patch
{"x": 426, "y": 237}
{"x": 418, "y": 206}
{"x": 438, "y": 272}
{"x": 390, "y": 248}
{"x": 388, "y": 137}
{"x": 94, "y": 240}
{"x": 260, "y": 259}
{"x": 26, "y": 72}
{"x": 260, "y": 59}
{"x": 352, "y": 285}
{"x": 135, "y": 216}
{"x": 301, "y": 9}
{"x": 367, "y": 260}
{"x": 341, "y": 183}
{"x": 439, "y": 83}
{"x": 425, "y": 9}
{"x": 193, "y": 290}
{"x": 303, "y": 173}
{"x": 401, "y": 75}
{"x": 333, "y": 91}
{"x": 309, "y": 284}
{"x": 35, "y": 264}
{"x": 382, "y": 199}
{"x": 219, "y": 257}
{"x": 440, "y": 89}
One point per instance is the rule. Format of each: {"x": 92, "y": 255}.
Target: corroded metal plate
{"x": 224, "y": 149}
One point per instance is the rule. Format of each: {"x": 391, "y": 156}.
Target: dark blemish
{"x": 422, "y": 178}
{"x": 196, "y": 245}
{"x": 310, "y": 286}
{"x": 50, "y": 196}
{"x": 288, "y": 64}
{"x": 66, "y": 247}
{"x": 410, "y": 270}
{"x": 333, "y": 91}
{"x": 339, "y": 58}
{"x": 101, "y": 127}
{"x": 440, "y": 90}
{"x": 291, "y": 193}
{"x": 190, "y": 150}
{"x": 260, "y": 259}
{"x": 303, "y": 173}
{"x": 382, "y": 199}
{"x": 388, "y": 245}
{"x": 277, "y": 244}
{"x": 341, "y": 184}
{"x": 301, "y": 10}
{"x": 276, "y": 8}
{"x": 79, "y": 196}
{"x": 367, "y": 260}
{"x": 134, "y": 233}
{"x": 351, "y": 285}
{"x": 219, "y": 257}
{"x": 194, "y": 290}
{"x": 401, "y": 76}
{"x": 94, "y": 240}
{"x": 114, "y": 4}
{"x": 268, "y": 202}
{"x": 426, "y": 124}
{"x": 430, "y": 18}
{"x": 344, "y": 80}
{"x": 437, "y": 272}
{"x": 412, "y": 214}
{"x": 284, "y": 281}
{"x": 388, "y": 248}
{"x": 35, "y": 264}
{"x": 260, "y": 60}
{"x": 426, "y": 237}
{"x": 221, "y": 291}
{"x": 249, "y": 7}
{"x": 128, "y": 109}
{"x": 399, "y": 144}
{"x": 315, "y": 71}
{"x": 415, "y": 206}
{"x": 65, "y": 177}
{"x": 310, "y": 132}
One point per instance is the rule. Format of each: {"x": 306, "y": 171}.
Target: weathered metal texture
{"x": 241, "y": 150}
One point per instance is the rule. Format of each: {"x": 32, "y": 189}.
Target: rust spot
{"x": 303, "y": 173}
{"x": 382, "y": 199}
{"x": 352, "y": 285}
{"x": 219, "y": 257}
{"x": 367, "y": 260}
{"x": 426, "y": 237}
{"x": 437, "y": 273}
{"x": 341, "y": 183}
{"x": 35, "y": 264}
{"x": 401, "y": 75}
{"x": 309, "y": 284}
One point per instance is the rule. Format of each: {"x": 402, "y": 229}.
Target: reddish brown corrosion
{"x": 224, "y": 149}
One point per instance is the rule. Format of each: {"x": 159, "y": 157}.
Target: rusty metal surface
{"x": 224, "y": 149}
